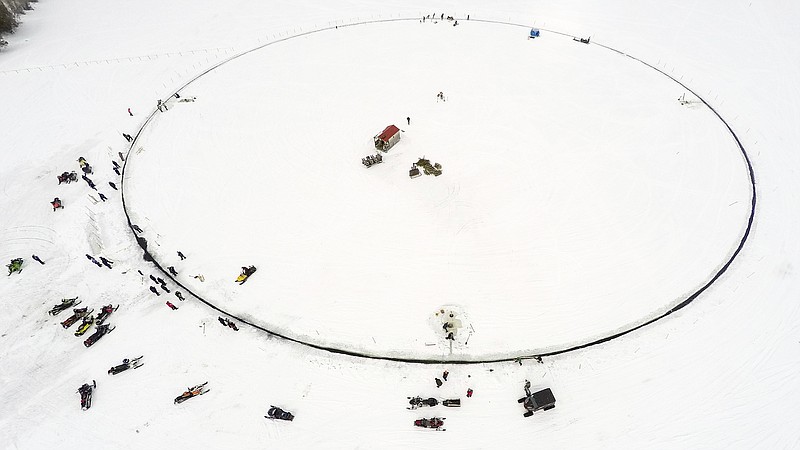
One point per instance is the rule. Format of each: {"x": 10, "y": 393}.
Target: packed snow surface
{"x": 563, "y": 165}
{"x": 577, "y": 196}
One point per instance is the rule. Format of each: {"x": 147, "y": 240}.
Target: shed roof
{"x": 388, "y": 132}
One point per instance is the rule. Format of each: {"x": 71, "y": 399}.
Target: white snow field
{"x": 578, "y": 198}
{"x": 563, "y": 165}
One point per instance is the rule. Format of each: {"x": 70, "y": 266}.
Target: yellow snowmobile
{"x": 87, "y": 323}
{"x": 246, "y": 272}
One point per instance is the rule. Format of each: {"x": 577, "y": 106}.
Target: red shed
{"x": 388, "y": 137}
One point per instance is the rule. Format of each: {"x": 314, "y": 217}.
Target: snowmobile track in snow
{"x": 696, "y": 293}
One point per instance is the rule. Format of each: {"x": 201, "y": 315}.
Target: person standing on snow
{"x": 129, "y": 112}
{"x": 36, "y": 258}
{"x": 154, "y": 291}
{"x": 180, "y": 255}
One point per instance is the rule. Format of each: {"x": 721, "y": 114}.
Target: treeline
{"x": 10, "y": 10}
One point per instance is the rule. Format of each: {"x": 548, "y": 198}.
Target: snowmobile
{"x": 87, "y": 323}
{"x": 435, "y": 423}
{"x": 77, "y": 314}
{"x": 419, "y": 402}
{"x": 15, "y": 266}
{"x": 86, "y": 394}
{"x": 194, "y": 391}
{"x": 105, "y": 311}
{"x": 277, "y": 413}
{"x": 65, "y": 304}
{"x": 101, "y": 331}
{"x": 246, "y": 272}
{"x": 540, "y": 400}
{"x": 126, "y": 364}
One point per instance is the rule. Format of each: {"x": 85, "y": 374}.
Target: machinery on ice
{"x": 276, "y": 413}
{"x": 134, "y": 363}
{"x": 191, "y": 392}
{"x": 86, "y": 392}
{"x": 537, "y": 401}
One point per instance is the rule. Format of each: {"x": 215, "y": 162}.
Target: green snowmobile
{"x": 15, "y": 266}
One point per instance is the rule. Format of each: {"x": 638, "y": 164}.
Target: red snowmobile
{"x": 99, "y": 332}
{"x": 435, "y": 423}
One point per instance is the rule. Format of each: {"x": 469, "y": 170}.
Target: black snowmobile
{"x": 126, "y": 364}
{"x": 277, "y": 413}
{"x": 192, "y": 392}
{"x": 435, "y": 423}
{"x": 86, "y": 394}
{"x": 65, "y": 304}
{"x": 105, "y": 311}
{"x": 77, "y": 314}
{"x": 101, "y": 331}
{"x": 419, "y": 402}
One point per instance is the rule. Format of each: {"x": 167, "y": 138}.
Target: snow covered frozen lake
{"x": 578, "y": 198}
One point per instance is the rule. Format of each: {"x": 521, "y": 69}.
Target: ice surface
{"x": 731, "y": 358}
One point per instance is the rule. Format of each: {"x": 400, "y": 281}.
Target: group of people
{"x": 86, "y": 168}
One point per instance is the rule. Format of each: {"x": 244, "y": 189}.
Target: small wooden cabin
{"x": 388, "y": 137}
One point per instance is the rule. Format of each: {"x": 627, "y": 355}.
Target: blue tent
{"x": 534, "y": 33}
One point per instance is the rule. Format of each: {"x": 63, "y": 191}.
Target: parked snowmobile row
{"x": 88, "y": 319}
